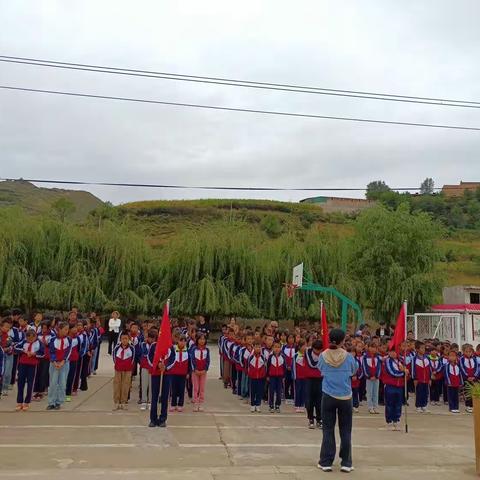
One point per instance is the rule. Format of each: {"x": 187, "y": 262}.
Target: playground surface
{"x": 86, "y": 440}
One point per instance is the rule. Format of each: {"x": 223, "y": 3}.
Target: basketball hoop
{"x": 290, "y": 289}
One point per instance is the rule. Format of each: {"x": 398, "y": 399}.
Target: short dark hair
{"x": 124, "y": 333}
{"x": 317, "y": 344}
{"x": 62, "y": 324}
{"x": 418, "y": 344}
{"x": 336, "y": 337}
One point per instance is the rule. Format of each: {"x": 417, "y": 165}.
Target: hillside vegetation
{"x": 39, "y": 200}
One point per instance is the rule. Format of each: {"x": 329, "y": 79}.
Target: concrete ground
{"x": 87, "y": 440}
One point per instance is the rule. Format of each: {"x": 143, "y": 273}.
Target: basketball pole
{"x": 405, "y": 373}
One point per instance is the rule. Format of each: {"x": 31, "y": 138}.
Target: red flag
{"x": 164, "y": 341}
{"x": 400, "y": 333}
{"x": 325, "y": 338}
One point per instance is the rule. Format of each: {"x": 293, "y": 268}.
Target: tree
{"x": 426, "y": 188}
{"x": 63, "y": 208}
{"x": 376, "y": 188}
{"x": 394, "y": 256}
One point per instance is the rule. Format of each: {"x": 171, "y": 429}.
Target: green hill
{"x": 39, "y": 200}
{"x": 164, "y": 221}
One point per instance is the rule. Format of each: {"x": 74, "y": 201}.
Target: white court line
{"x": 210, "y": 427}
{"x": 223, "y": 445}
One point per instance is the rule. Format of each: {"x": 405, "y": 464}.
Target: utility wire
{"x": 245, "y": 110}
{"x": 203, "y": 187}
{"x": 241, "y": 83}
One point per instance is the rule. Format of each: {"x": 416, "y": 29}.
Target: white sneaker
{"x": 143, "y": 406}
{"x": 355, "y": 410}
{"x": 425, "y": 410}
{"x": 371, "y": 411}
{"x": 455, "y": 411}
{"x": 346, "y": 469}
{"x": 469, "y": 409}
{"x": 419, "y": 410}
{"x": 396, "y": 427}
{"x": 324, "y": 469}
{"x": 257, "y": 409}
{"x": 253, "y": 409}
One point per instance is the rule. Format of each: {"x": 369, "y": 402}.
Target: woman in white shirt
{"x": 113, "y": 330}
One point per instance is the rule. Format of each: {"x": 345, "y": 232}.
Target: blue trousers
{"x": 26, "y": 376}
{"x": 275, "y": 388}
{"x": 71, "y": 377}
{"x": 178, "y": 390}
{"x": 436, "y": 390}
{"x": 300, "y": 392}
{"x": 452, "y": 398}
{"x": 240, "y": 375}
{"x": 58, "y": 384}
{"x": 421, "y": 395}
{"x": 245, "y": 385}
{"x": 7, "y": 374}
{"x": 289, "y": 395}
{"x": 356, "y": 397}
{"x": 257, "y": 386}
{"x": 162, "y": 396}
{"x": 393, "y": 403}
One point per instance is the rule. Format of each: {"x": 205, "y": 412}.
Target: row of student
{"x": 48, "y": 359}
{"x": 188, "y": 360}
{"x": 298, "y": 378}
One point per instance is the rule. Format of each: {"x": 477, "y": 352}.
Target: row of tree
{"x": 461, "y": 211}
{"x": 225, "y": 270}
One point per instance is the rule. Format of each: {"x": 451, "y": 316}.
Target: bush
{"x": 271, "y": 226}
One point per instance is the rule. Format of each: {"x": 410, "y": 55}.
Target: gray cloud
{"x": 428, "y": 49}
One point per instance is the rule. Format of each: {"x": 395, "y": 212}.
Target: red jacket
{"x": 256, "y": 366}
{"x": 276, "y": 366}
{"x": 123, "y": 358}
{"x": 181, "y": 364}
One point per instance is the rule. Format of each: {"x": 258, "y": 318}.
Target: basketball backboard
{"x": 298, "y": 275}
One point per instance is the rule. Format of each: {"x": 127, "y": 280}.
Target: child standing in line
{"x": 80, "y": 381}
{"x": 356, "y": 379}
{"x": 288, "y": 351}
{"x": 256, "y": 372}
{"x": 276, "y": 374}
{"x": 41, "y": 377}
{"x": 200, "y": 363}
{"x": 313, "y": 384}
{"x": 178, "y": 373}
{"x": 437, "y": 376}
{"x": 245, "y": 353}
{"x": 227, "y": 362}
{"x": 454, "y": 381}
{"x": 145, "y": 378}
{"x": 371, "y": 365}
{"x": 30, "y": 351}
{"x": 221, "y": 340}
{"x": 394, "y": 379}
{"x": 74, "y": 358}
{"x": 470, "y": 370}
{"x": 60, "y": 348}
{"x": 8, "y": 338}
{"x": 123, "y": 356}
{"x": 299, "y": 372}
{"x": 422, "y": 375}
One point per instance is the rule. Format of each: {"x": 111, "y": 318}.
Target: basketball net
{"x": 290, "y": 289}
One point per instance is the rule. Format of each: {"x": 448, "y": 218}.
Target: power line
{"x": 203, "y": 187}
{"x": 241, "y": 83}
{"x": 234, "y": 109}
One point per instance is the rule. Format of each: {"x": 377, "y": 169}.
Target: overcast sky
{"x": 428, "y": 48}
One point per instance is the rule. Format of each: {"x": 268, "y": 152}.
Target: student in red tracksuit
{"x": 178, "y": 374}
{"x": 41, "y": 378}
{"x": 30, "y": 352}
{"x": 470, "y": 370}
{"x": 454, "y": 380}
{"x": 74, "y": 360}
{"x": 356, "y": 380}
{"x": 256, "y": 371}
{"x": 276, "y": 368}
{"x": 123, "y": 356}
{"x": 200, "y": 363}
{"x": 437, "y": 376}
{"x": 313, "y": 386}
{"x": 299, "y": 373}
{"x": 422, "y": 376}
{"x": 288, "y": 351}
{"x": 394, "y": 379}
{"x": 145, "y": 379}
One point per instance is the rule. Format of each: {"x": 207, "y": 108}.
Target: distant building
{"x": 458, "y": 190}
{"x": 339, "y": 204}
{"x": 462, "y": 295}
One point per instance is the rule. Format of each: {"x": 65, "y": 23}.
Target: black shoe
{"x": 51, "y": 407}
{"x": 151, "y": 424}
{"x": 319, "y": 425}
{"x": 162, "y": 424}
{"x": 311, "y": 425}
{"x": 57, "y": 406}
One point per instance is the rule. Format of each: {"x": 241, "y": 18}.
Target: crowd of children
{"x": 47, "y": 357}
{"x": 52, "y": 358}
{"x": 273, "y": 365}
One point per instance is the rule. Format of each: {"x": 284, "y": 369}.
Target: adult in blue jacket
{"x": 337, "y": 368}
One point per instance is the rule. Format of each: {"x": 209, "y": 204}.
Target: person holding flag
{"x": 161, "y": 358}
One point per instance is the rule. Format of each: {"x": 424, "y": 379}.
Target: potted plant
{"x": 472, "y": 390}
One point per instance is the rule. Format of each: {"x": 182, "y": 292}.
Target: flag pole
{"x": 405, "y": 375}
{"x": 161, "y": 375}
